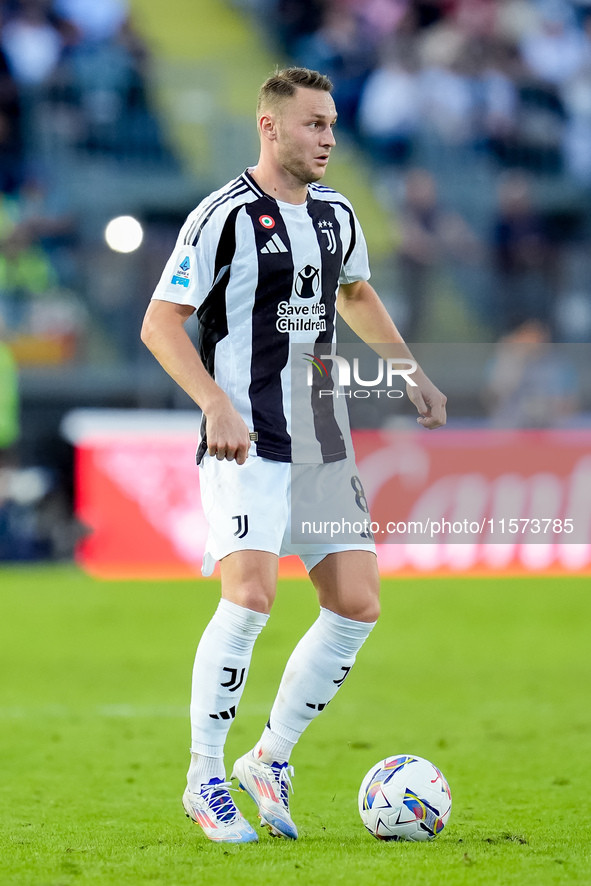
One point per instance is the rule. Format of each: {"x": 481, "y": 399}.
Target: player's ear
{"x": 268, "y": 126}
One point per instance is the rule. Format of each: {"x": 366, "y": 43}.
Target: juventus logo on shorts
{"x": 242, "y": 525}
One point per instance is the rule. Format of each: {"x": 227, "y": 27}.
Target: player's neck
{"x": 279, "y": 184}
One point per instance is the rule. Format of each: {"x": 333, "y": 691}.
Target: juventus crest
{"x": 326, "y": 229}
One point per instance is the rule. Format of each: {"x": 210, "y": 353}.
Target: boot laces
{"x": 283, "y": 773}
{"x": 216, "y": 793}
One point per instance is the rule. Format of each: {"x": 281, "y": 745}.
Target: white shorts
{"x": 250, "y": 507}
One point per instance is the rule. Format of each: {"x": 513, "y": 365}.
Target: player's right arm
{"x": 164, "y": 334}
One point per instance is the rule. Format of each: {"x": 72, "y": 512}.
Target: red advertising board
{"x": 449, "y": 501}
{"x": 479, "y": 500}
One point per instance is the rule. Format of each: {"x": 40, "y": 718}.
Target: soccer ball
{"x": 404, "y": 798}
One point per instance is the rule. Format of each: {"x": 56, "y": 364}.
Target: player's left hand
{"x": 429, "y": 403}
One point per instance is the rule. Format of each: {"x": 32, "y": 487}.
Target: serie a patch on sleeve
{"x": 181, "y": 277}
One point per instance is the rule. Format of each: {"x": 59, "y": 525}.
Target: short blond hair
{"x": 284, "y": 83}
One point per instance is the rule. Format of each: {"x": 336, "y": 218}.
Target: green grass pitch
{"x": 488, "y": 678}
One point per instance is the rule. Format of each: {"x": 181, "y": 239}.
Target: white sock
{"x": 202, "y": 769}
{"x": 219, "y": 674}
{"x": 273, "y": 748}
{"x": 312, "y": 677}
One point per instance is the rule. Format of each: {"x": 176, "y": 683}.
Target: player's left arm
{"x": 361, "y": 308}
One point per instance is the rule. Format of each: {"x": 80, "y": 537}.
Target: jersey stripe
{"x": 206, "y": 204}
{"x": 349, "y": 211}
{"x": 215, "y": 206}
{"x": 247, "y": 177}
{"x": 326, "y": 428}
{"x": 323, "y": 188}
{"x": 270, "y": 348}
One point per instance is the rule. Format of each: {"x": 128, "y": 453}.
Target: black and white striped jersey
{"x": 263, "y": 275}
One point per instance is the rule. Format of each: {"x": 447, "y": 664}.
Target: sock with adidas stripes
{"x": 313, "y": 675}
{"x": 219, "y": 675}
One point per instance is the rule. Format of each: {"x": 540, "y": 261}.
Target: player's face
{"x": 304, "y": 136}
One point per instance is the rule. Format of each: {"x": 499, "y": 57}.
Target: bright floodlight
{"x": 124, "y": 233}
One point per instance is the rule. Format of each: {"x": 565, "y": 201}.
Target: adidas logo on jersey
{"x": 275, "y": 244}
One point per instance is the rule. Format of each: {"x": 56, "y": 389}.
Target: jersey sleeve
{"x": 188, "y": 274}
{"x": 356, "y": 261}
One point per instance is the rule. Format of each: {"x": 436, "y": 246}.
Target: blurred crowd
{"x": 517, "y": 264}
{"x": 476, "y": 118}
{"x": 510, "y": 76}
{"x": 73, "y": 93}
{"x": 432, "y": 90}
{"x": 77, "y": 62}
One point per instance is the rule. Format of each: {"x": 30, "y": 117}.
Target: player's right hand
{"x": 227, "y": 435}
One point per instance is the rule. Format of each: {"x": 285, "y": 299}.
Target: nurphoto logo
{"x": 388, "y": 371}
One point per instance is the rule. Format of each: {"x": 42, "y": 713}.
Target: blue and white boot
{"x": 268, "y": 784}
{"x": 214, "y": 810}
